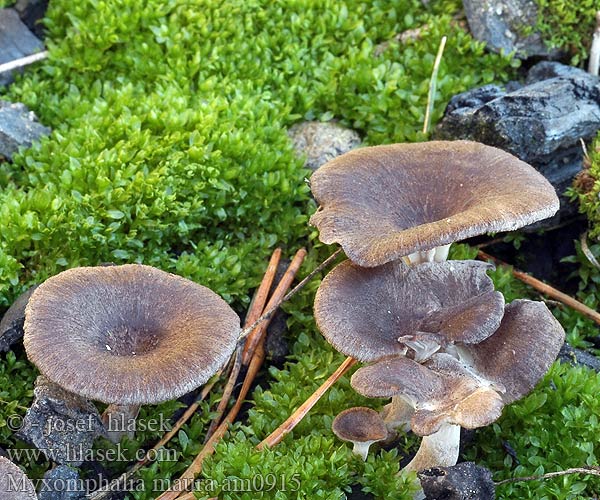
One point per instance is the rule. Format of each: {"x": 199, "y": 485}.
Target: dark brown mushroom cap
{"x": 385, "y": 202}
{"x": 363, "y": 312}
{"x": 451, "y": 395}
{"x": 359, "y": 424}
{"x": 129, "y": 334}
{"x": 14, "y": 484}
{"x": 521, "y": 351}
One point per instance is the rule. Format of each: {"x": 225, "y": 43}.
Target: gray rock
{"x": 501, "y": 24}
{"x": 19, "y": 127}
{"x": 32, "y": 12}
{"x": 320, "y": 142}
{"x": 541, "y": 123}
{"x": 16, "y": 41}
{"x": 578, "y": 357}
{"x": 61, "y": 483}
{"x": 464, "y": 481}
{"x": 61, "y": 424}
{"x": 11, "y": 325}
{"x": 550, "y": 69}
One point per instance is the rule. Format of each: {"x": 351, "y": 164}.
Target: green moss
{"x": 554, "y": 428}
{"x": 568, "y": 25}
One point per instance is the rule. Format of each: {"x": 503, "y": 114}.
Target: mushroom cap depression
{"x": 359, "y": 424}
{"x": 442, "y": 390}
{"x": 370, "y": 313}
{"x": 129, "y": 334}
{"x": 14, "y": 484}
{"x": 385, "y": 202}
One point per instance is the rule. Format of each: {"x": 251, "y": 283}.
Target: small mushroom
{"x": 445, "y": 396}
{"x": 361, "y": 426}
{"x": 127, "y": 335}
{"x": 14, "y": 484}
{"x": 386, "y": 202}
{"x": 371, "y": 313}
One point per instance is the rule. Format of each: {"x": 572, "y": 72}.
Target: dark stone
{"x": 19, "y": 127}
{"x": 549, "y": 69}
{"x": 578, "y": 357}
{"x": 464, "y": 481}
{"x": 32, "y": 12}
{"x": 61, "y": 424}
{"x": 61, "y": 483}
{"x": 541, "y": 123}
{"x": 501, "y": 23}
{"x": 11, "y": 325}
{"x": 16, "y": 41}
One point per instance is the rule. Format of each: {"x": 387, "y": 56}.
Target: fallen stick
{"x": 295, "y": 418}
{"x": 255, "y": 336}
{"x": 433, "y": 85}
{"x": 186, "y": 480}
{"x": 267, "y": 314}
{"x": 23, "y": 61}
{"x": 256, "y": 308}
{"x": 591, "y": 470}
{"x": 546, "y": 289}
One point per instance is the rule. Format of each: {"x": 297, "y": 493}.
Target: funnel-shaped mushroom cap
{"x": 519, "y": 354}
{"x": 128, "y": 334}
{"x": 385, "y": 202}
{"x": 441, "y": 391}
{"x": 14, "y": 484}
{"x": 370, "y": 313}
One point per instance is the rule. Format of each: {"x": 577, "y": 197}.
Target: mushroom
{"x": 444, "y": 395}
{"x": 14, "y": 484}
{"x": 519, "y": 354}
{"x": 127, "y": 335}
{"x": 386, "y": 202}
{"x": 395, "y": 309}
{"x": 447, "y": 392}
{"x": 361, "y": 426}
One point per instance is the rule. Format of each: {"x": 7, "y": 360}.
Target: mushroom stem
{"x": 437, "y": 254}
{"x": 119, "y": 421}
{"x": 397, "y": 414}
{"x": 362, "y": 449}
{"x": 440, "y": 449}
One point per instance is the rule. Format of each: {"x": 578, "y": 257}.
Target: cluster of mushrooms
{"x": 435, "y": 336}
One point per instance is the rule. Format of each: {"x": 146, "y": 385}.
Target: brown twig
{"x": 256, "y": 308}
{"x": 255, "y": 336}
{"x": 594, "y": 471}
{"x": 294, "y": 419}
{"x": 267, "y": 315}
{"x": 546, "y": 289}
{"x": 258, "y": 354}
